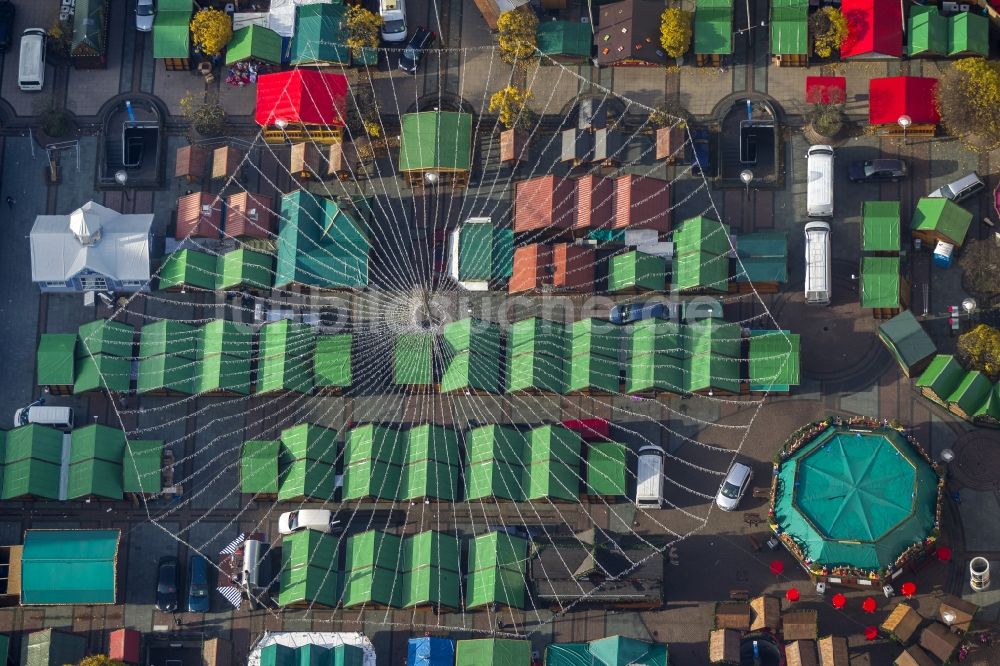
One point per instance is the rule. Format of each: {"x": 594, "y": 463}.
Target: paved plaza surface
{"x": 845, "y": 370}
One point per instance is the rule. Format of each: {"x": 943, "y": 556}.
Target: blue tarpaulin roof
{"x": 426, "y": 651}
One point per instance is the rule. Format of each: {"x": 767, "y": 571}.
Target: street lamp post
{"x": 746, "y": 176}
{"x": 121, "y": 177}
{"x": 904, "y": 121}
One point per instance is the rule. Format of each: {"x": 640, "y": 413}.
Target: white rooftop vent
{"x": 85, "y": 223}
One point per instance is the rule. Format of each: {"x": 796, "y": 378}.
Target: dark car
{"x": 421, "y": 40}
{"x": 875, "y": 171}
{"x": 631, "y": 312}
{"x": 198, "y": 599}
{"x": 6, "y": 24}
{"x": 167, "y": 575}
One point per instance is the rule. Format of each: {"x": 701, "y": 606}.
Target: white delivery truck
{"x": 57, "y": 417}
{"x": 818, "y": 276}
{"x": 819, "y": 190}
{"x": 649, "y": 477}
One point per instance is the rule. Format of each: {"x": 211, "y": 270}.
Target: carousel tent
{"x": 859, "y": 499}
{"x": 301, "y": 96}
{"x": 254, "y": 42}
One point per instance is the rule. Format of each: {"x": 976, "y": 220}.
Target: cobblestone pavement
{"x": 845, "y": 369}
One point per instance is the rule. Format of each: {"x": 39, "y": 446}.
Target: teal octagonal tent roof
{"x": 856, "y": 498}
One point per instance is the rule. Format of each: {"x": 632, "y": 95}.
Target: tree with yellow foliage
{"x": 675, "y": 32}
{"x": 968, "y": 95}
{"x": 99, "y": 660}
{"x": 363, "y": 29}
{"x": 211, "y": 30}
{"x": 510, "y": 105}
{"x": 829, "y": 28}
{"x": 518, "y": 36}
{"x": 979, "y": 349}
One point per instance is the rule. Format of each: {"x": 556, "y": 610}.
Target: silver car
{"x": 734, "y": 487}
{"x": 145, "y": 14}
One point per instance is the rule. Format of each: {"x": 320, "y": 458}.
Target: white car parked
{"x": 145, "y": 13}
{"x": 320, "y": 520}
{"x": 734, "y": 487}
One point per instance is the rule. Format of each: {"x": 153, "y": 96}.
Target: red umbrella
{"x": 871, "y": 633}
{"x": 839, "y": 600}
{"x": 792, "y": 594}
{"x": 777, "y": 566}
{"x": 943, "y": 553}
{"x": 868, "y": 605}
{"x": 908, "y": 589}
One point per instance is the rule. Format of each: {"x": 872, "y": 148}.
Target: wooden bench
{"x": 752, "y": 519}
{"x": 762, "y": 492}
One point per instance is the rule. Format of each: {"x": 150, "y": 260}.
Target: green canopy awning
{"x": 320, "y": 243}
{"x": 622, "y": 651}
{"x": 259, "y": 467}
{"x": 94, "y": 478}
{"x": 928, "y": 31}
{"x": 789, "y": 27}
{"x": 32, "y": 460}
{"x": 169, "y": 337}
{"x": 565, "y": 39}
{"x": 773, "y": 360}
{"x": 941, "y": 377}
{"x": 607, "y": 469}
{"x": 373, "y": 479}
{"x": 906, "y": 340}
{"x": 142, "y": 463}
{"x": 320, "y": 35}
{"x": 856, "y": 498}
{"x": 55, "y": 359}
{"x": 62, "y": 567}
{"x": 332, "y": 360}
{"x": 256, "y": 42}
{"x": 221, "y": 373}
{"x": 244, "y": 269}
{"x": 941, "y": 218}
{"x": 485, "y": 252}
{"x": 713, "y": 27}
{"x": 171, "y": 33}
{"x": 880, "y": 226}
{"x": 440, "y": 140}
{"x": 189, "y": 268}
{"x": 968, "y": 34}
{"x": 880, "y": 282}
{"x": 102, "y": 372}
{"x": 413, "y": 360}
{"x": 105, "y": 337}
{"x": 493, "y": 652}
{"x": 637, "y": 270}
{"x": 166, "y": 373}
{"x": 308, "y": 569}
{"x": 701, "y": 255}
{"x": 222, "y": 336}
{"x": 763, "y": 257}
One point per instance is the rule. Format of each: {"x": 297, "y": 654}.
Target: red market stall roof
{"x": 896, "y": 96}
{"x": 301, "y": 96}
{"x": 826, "y": 89}
{"x": 874, "y": 29}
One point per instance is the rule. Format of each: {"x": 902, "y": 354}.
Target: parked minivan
{"x": 963, "y": 188}
{"x": 818, "y": 275}
{"x": 819, "y": 194}
{"x": 649, "y": 477}
{"x": 57, "y": 417}
{"x": 31, "y": 66}
{"x": 393, "y": 13}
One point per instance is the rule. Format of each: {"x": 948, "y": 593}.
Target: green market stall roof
{"x": 254, "y": 42}
{"x": 95, "y": 463}
{"x": 880, "y": 226}
{"x": 244, "y": 269}
{"x": 105, "y": 337}
{"x": 623, "y": 651}
{"x": 308, "y": 570}
{"x": 941, "y": 377}
{"x": 565, "y": 40}
{"x": 54, "y": 359}
{"x": 485, "y": 252}
{"x": 166, "y": 373}
{"x": 142, "y": 462}
{"x": 713, "y": 27}
{"x": 941, "y": 219}
{"x": 789, "y": 27}
{"x": 320, "y": 35}
{"x": 855, "y": 498}
{"x": 968, "y": 34}
{"x": 907, "y": 341}
{"x": 52, "y": 647}
{"x": 32, "y": 460}
{"x": 763, "y": 257}
{"x": 493, "y": 652}
{"x": 171, "y": 31}
{"x": 413, "y": 359}
{"x": 169, "y": 337}
{"x": 932, "y": 34}
{"x": 701, "y": 255}
{"x": 880, "y": 282}
{"x": 61, "y": 567}
{"x": 773, "y": 360}
{"x": 102, "y": 371}
{"x": 637, "y": 270}
{"x": 607, "y": 469}
{"x": 332, "y": 360}
{"x": 259, "y": 467}
{"x": 188, "y": 268}
{"x": 222, "y": 336}
{"x": 436, "y": 141}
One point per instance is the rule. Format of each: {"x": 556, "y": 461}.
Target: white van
{"x": 393, "y": 13}
{"x": 31, "y": 66}
{"x": 819, "y": 195}
{"x": 649, "y": 477}
{"x": 58, "y": 417}
{"x": 818, "y": 275}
